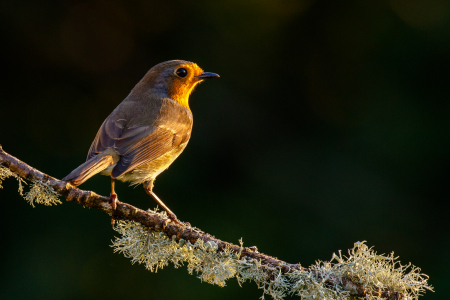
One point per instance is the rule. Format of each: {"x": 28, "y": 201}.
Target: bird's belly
{"x": 150, "y": 170}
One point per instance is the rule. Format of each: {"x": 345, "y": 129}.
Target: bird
{"x": 146, "y": 132}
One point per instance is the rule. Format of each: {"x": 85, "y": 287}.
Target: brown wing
{"x": 139, "y": 144}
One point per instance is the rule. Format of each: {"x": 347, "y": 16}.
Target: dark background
{"x": 329, "y": 125}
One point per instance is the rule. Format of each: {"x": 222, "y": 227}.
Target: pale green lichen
{"x": 42, "y": 193}
{"x": 156, "y": 250}
{"x": 5, "y": 173}
{"x": 380, "y": 272}
{"x": 363, "y": 266}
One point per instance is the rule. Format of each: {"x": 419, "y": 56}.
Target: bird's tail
{"x": 91, "y": 167}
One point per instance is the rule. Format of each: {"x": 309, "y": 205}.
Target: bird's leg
{"x": 148, "y": 186}
{"x": 114, "y": 198}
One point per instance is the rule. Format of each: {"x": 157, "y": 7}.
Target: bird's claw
{"x": 113, "y": 197}
{"x": 174, "y": 219}
{"x": 166, "y": 222}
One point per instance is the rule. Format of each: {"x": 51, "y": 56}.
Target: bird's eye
{"x": 181, "y": 72}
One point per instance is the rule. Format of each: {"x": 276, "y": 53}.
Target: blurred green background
{"x": 329, "y": 125}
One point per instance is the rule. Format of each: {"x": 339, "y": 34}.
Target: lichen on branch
{"x": 377, "y": 273}
{"x": 6, "y": 173}
{"x": 147, "y": 237}
{"x": 42, "y": 193}
{"x": 155, "y": 250}
{"x": 39, "y": 193}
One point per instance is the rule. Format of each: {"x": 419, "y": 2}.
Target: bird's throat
{"x": 181, "y": 93}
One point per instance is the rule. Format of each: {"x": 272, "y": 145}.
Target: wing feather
{"x": 139, "y": 143}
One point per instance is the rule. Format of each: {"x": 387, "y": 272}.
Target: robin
{"x": 147, "y": 131}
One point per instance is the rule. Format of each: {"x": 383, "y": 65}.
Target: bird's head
{"x": 175, "y": 79}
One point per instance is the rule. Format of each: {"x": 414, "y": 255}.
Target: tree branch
{"x": 156, "y": 222}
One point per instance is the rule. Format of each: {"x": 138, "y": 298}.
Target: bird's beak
{"x": 206, "y": 75}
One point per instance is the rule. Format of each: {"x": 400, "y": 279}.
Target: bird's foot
{"x": 166, "y": 222}
{"x": 113, "y": 197}
{"x": 174, "y": 219}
